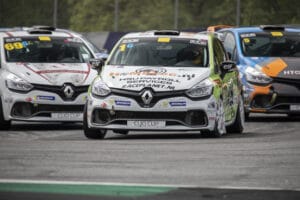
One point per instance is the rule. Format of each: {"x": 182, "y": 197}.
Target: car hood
{"x": 158, "y": 78}
{"x": 277, "y": 67}
{"x": 54, "y": 73}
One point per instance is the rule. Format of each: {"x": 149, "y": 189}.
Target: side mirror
{"x": 228, "y": 66}
{"x": 97, "y": 63}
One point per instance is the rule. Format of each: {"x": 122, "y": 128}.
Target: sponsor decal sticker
{"x": 75, "y": 40}
{"x": 246, "y": 40}
{"x": 44, "y": 38}
{"x": 164, "y": 104}
{"x": 151, "y": 77}
{"x": 48, "y": 98}
{"x": 84, "y": 98}
{"x": 164, "y": 39}
{"x": 103, "y": 105}
{"x": 248, "y": 35}
{"x": 130, "y": 40}
{"x": 28, "y": 99}
{"x": 201, "y": 42}
{"x": 111, "y": 101}
{"x": 122, "y": 103}
{"x": 291, "y": 72}
{"x": 122, "y": 47}
{"x": 177, "y": 103}
{"x": 129, "y": 45}
{"x": 13, "y": 39}
{"x": 277, "y": 34}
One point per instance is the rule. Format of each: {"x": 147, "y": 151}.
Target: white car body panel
{"x": 163, "y": 79}
{"x": 159, "y": 79}
{"x": 49, "y": 75}
{"x": 53, "y": 73}
{"x": 111, "y": 103}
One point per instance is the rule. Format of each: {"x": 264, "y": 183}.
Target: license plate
{"x": 295, "y": 107}
{"x": 67, "y": 116}
{"x": 146, "y": 124}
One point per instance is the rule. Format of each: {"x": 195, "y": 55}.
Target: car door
{"x": 229, "y": 80}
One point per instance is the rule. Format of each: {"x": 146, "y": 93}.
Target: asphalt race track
{"x": 56, "y": 161}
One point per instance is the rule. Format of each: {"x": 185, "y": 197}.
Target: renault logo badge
{"x": 68, "y": 90}
{"x": 147, "y": 97}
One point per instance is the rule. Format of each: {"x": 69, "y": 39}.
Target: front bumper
{"x": 42, "y": 106}
{"x": 174, "y": 113}
{"x": 282, "y": 96}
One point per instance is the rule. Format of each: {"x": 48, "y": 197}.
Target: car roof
{"x": 37, "y": 31}
{"x": 262, "y": 28}
{"x": 168, "y": 33}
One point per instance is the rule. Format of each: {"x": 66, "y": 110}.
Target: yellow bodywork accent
{"x": 277, "y": 34}
{"x": 164, "y": 39}
{"x": 44, "y": 38}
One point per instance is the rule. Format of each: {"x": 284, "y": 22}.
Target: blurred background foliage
{"x": 139, "y": 15}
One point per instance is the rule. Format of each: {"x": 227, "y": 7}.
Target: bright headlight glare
{"x": 256, "y": 76}
{"x": 202, "y": 89}
{"x": 15, "y": 83}
{"x": 99, "y": 88}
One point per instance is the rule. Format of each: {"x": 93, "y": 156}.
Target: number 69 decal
{"x": 12, "y": 46}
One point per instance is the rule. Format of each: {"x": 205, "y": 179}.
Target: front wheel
{"x": 238, "y": 124}
{"x": 219, "y": 128}
{"x": 91, "y": 133}
{"x": 4, "y": 124}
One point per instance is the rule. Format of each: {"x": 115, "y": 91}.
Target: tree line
{"x": 139, "y": 15}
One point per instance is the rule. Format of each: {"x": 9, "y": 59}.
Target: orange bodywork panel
{"x": 217, "y": 27}
{"x": 260, "y": 90}
{"x": 274, "y": 68}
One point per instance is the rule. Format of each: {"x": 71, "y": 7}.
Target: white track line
{"x": 140, "y": 184}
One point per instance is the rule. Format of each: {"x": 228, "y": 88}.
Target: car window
{"x": 219, "y": 54}
{"x": 270, "y": 45}
{"x": 46, "y": 49}
{"x": 160, "y": 52}
{"x": 230, "y": 45}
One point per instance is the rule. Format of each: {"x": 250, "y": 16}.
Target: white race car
{"x": 167, "y": 81}
{"x": 44, "y": 75}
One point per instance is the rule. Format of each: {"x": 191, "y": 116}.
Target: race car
{"x": 165, "y": 81}
{"x": 268, "y": 58}
{"x": 45, "y": 75}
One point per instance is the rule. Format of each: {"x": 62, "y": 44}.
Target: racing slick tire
{"x": 91, "y": 133}
{"x": 4, "y": 124}
{"x": 239, "y": 122}
{"x": 219, "y": 128}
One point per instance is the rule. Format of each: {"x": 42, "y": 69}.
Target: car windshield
{"x": 160, "y": 52}
{"x": 46, "y": 49}
{"x": 274, "y": 44}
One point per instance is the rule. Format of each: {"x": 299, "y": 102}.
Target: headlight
{"x": 202, "y": 89}
{"x": 257, "y": 77}
{"x": 99, "y": 88}
{"x": 15, "y": 83}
